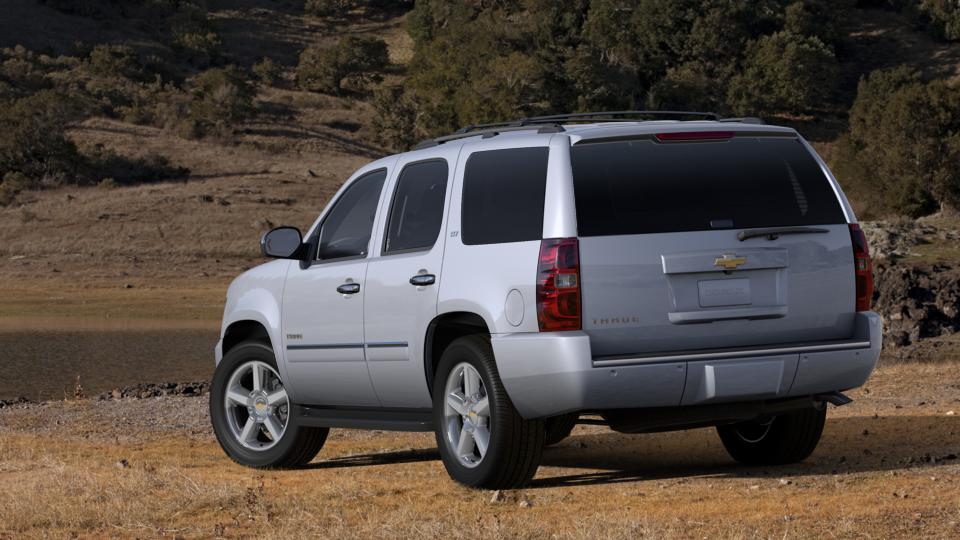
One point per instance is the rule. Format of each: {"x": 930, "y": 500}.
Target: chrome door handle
{"x": 349, "y": 288}
{"x": 421, "y": 280}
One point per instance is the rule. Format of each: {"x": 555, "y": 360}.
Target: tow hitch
{"x": 836, "y": 398}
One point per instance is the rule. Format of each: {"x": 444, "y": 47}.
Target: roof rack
{"x": 744, "y": 120}
{"x": 553, "y": 123}
{"x": 616, "y": 116}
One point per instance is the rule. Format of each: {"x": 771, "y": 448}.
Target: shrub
{"x": 903, "y": 144}
{"x": 686, "y": 87}
{"x": 107, "y": 169}
{"x": 396, "y": 120}
{"x": 944, "y": 18}
{"x": 12, "y": 183}
{"x": 267, "y": 71}
{"x": 33, "y": 141}
{"x": 195, "y": 37}
{"x": 213, "y": 103}
{"x": 784, "y": 72}
{"x": 358, "y": 59}
{"x": 823, "y": 19}
{"x": 325, "y": 8}
{"x": 221, "y": 93}
{"x": 107, "y": 60}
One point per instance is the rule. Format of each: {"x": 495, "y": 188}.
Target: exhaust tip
{"x": 838, "y": 399}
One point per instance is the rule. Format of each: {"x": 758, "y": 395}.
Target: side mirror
{"x": 282, "y": 243}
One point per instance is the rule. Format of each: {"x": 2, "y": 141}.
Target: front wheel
{"x": 252, "y": 415}
{"x": 777, "y": 440}
{"x": 483, "y": 440}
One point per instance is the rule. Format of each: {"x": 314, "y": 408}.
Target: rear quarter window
{"x": 643, "y": 186}
{"x": 503, "y": 194}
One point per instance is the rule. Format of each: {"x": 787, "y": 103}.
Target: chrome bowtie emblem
{"x": 729, "y": 261}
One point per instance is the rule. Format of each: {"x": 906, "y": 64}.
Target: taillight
{"x": 863, "y": 268}
{"x": 558, "y": 285}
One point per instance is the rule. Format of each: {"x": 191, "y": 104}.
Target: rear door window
{"x": 503, "y": 193}
{"x": 417, "y": 208}
{"x": 643, "y": 186}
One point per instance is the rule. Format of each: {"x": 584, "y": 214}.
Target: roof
{"x": 600, "y": 130}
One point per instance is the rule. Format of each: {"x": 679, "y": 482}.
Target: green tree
{"x": 220, "y": 99}
{"x": 325, "y": 69}
{"x": 33, "y": 141}
{"x": 943, "y": 16}
{"x": 784, "y": 72}
{"x": 901, "y": 152}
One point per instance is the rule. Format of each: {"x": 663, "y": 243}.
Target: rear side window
{"x": 643, "y": 186}
{"x": 417, "y": 207}
{"x": 503, "y": 193}
{"x": 346, "y": 230}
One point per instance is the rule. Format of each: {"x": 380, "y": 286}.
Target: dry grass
{"x": 882, "y": 471}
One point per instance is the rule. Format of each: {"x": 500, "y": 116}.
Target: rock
{"x": 128, "y": 286}
{"x": 15, "y": 401}
{"x": 497, "y": 496}
{"x": 152, "y": 390}
{"x": 123, "y": 464}
{"x": 525, "y": 504}
{"x": 950, "y": 413}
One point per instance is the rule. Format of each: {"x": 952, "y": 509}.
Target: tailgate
{"x": 663, "y": 266}
{"x": 666, "y": 292}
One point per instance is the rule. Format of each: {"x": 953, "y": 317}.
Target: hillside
{"x": 115, "y": 249}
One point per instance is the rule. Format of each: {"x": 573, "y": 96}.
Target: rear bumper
{"x": 552, "y": 373}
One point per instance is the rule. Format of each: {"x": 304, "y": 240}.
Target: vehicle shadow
{"x": 849, "y": 445}
{"x": 385, "y": 458}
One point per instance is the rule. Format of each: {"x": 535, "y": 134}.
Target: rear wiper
{"x": 777, "y": 232}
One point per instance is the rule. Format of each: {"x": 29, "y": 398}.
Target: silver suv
{"x": 495, "y": 285}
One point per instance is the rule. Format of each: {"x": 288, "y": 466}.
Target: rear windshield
{"x": 644, "y": 186}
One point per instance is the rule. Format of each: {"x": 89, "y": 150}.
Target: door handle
{"x": 421, "y": 280}
{"x": 349, "y": 288}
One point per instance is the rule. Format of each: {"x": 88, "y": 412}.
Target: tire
{"x": 295, "y": 446}
{"x": 559, "y": 428}
{"x": 788, "y": 438}
{"x": 514, "y": 445}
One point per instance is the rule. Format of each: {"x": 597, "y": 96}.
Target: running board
{"x": 365, "y": 418}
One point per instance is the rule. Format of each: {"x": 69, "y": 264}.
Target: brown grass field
{"x": 887, "y": 467}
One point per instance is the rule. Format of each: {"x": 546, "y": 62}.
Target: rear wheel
{"x": 252, "y": 413}
{"x": 483, "y": 440}
{"x": 777, "y": 440}
{"x": 559, "y": 428}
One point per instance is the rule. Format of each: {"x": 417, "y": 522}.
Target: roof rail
{"x": 744, "y": 120}
{"x": 553, "y": 123}
{"x": 486, "y": 131}
{"x": 615, "y": 115}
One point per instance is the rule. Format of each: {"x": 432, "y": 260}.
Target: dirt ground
{"x": 887, "y": 467}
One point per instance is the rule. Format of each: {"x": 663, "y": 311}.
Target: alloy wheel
{"x": 257, "y": 406}
{"x": 466, "y": 414}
